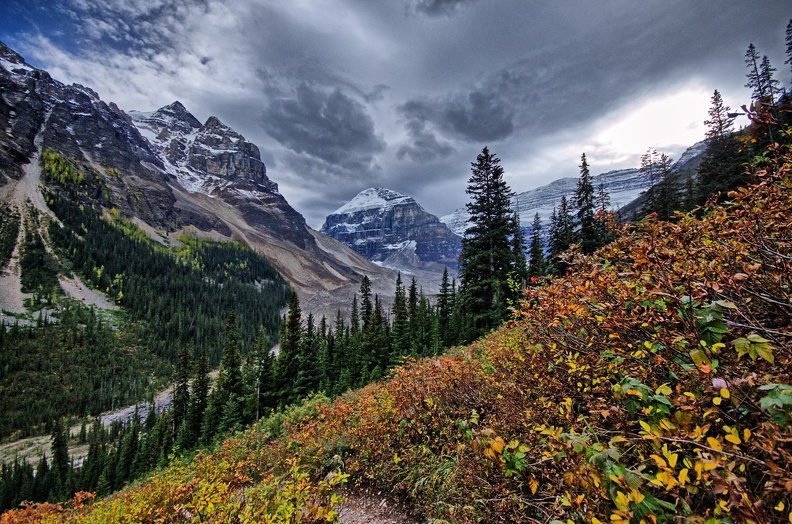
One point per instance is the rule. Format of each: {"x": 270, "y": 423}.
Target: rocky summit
{"x": 393, "y": 230}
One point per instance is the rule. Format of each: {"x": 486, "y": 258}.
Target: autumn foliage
{"x": 651, "y": 383}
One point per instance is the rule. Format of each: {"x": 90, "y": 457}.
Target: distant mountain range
{"x": 623, "y": 186}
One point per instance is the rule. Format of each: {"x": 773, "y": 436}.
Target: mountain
{"x": 394, "y": 231}
{"x": 170, "y": 173}
{"x": 623, "y": 186}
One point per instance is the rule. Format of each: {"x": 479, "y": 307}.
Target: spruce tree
{"x": 308, "y": 375}
{"x": 190, "y": 431}
{"x": 721, "y": 167}
{"x": 562, "y": 235}
{"x": 288, "y": 363}
{"x": 536, "y": 266}
{"x": 181, "y": 388}
{"x": 486, "y": 258}
{"x": 788, "y": 41}
{"x": 259, "y": 375}
{"x": 60, "y": 457}
{"x": 755, "y": 82}
{"x": 588, "y": 231}
{"x": 400, "y": 331}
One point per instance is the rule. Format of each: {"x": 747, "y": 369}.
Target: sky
{"x": 342, "y": 95}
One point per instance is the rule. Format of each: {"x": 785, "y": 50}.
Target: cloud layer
{"x": 341, "y": 95}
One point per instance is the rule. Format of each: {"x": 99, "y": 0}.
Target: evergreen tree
{"x": 230, "y": 386}
{"x": 445, "y": 307}
{"x": 60, "y": 457}
{"x": 766, "y": 75}
{"x": 259, "y": 380}
{"x": 307, "y": 379}
{"x": 537, "y": 265}
{"x": 562, "y": 235}
{"x": 181, "y": 389}
{"x": 486, "y": 258}
{"x": 721, "y": 167}
{"x": 788, "y": 41}
{"x": 519, "y": 273}
{"x": 191, "y": 429}
{"x": 719, "y": 124}
{"x": 584, "y": 201}
{"x": 288, "y": 363}
{"x": 755, "y": 82}
{"x": 400, "y": 332}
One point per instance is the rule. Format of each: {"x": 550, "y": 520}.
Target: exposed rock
{"x": 394, "y": 230}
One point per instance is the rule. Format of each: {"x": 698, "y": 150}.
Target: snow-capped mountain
{"x": 393, "y": 230}
{"x": 623, "y": 186}
{"x": 167, "y": 171}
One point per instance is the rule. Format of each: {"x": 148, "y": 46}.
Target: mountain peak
{"x": 374, "y": 198}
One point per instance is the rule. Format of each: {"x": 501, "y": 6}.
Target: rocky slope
{"x": 394, "y": 231}
{"x": 167, "y": 170}
{"x": 624, "y": 186}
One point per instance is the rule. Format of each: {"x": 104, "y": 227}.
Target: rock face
{"x": 623, "y": 186}
{"x": 393, "y": 230}
{"x": 168, "y": 170}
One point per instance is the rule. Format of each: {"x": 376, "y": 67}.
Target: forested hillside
{"x": 650, "y": 382}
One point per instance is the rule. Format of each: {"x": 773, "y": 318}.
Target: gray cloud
{"x": 329, "y": 126}
{"x": 439, "y": 7}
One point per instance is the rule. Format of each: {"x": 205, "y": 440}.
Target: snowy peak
{"x": 211, "y": 158}
{"x": 393, "y": 230}
{"x": 375, "y": 198}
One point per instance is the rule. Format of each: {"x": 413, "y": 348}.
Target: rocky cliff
{"x": 393, "y": 230}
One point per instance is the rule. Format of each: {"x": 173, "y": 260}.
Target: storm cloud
{"x": 341, "y": 95}
{"x": 330, "y": 126}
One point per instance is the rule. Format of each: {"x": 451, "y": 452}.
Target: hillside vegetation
{"x": 650, "y": 383}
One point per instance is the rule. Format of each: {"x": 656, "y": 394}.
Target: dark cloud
{"x": 439, "y": 7}
{"x": 329, "y": 126}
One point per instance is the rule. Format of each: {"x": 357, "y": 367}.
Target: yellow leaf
{"x": 717, "y": 401}
{"x": 497, "y": 445}
{"x": 637, "y": 496}
{"x": 734, "y": 439}
{"x": 534, "y": 485}
{"x": 746, "y": 434}
{"x": 660, "y": 462}
{"x": 779, "y": 506}
{"x": 724, "y": 393}
{"x": 683, "y": 477}
{"x": 714, "y": 443}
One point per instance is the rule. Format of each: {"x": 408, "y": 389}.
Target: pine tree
{"x": 562, "y": 235}
{"x": 259, "y": 379}
{"x": 307, "y": 379}
{"x": 788, "y": 41}
{"x": 190, "y": 431}
{"x": 486, "y": 258}
{"x": 588, "y": 232}
{"x": 719, "y": 124}
{"x": 755, "y": 81}
{"x": 60, "y": 456}
{"x": 519, "y": 272}
{"x": 445, "y": 308}
{"x": 537, "y": 265}
{"x": 400, "y": 332}
{"x": 181, "y": 388}
{"x": 230, "y": 386}
{"x": 721, "y": 167}
{"x": 288, "y": 363}
{"x": 770, "y": 84}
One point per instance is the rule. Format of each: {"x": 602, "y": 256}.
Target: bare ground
{"x": 368, "y": 507}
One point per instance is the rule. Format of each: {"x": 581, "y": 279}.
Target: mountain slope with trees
{"x": 650, "y": 382}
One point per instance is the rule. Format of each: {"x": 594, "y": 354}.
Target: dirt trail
{"x": 372, "y": 508}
